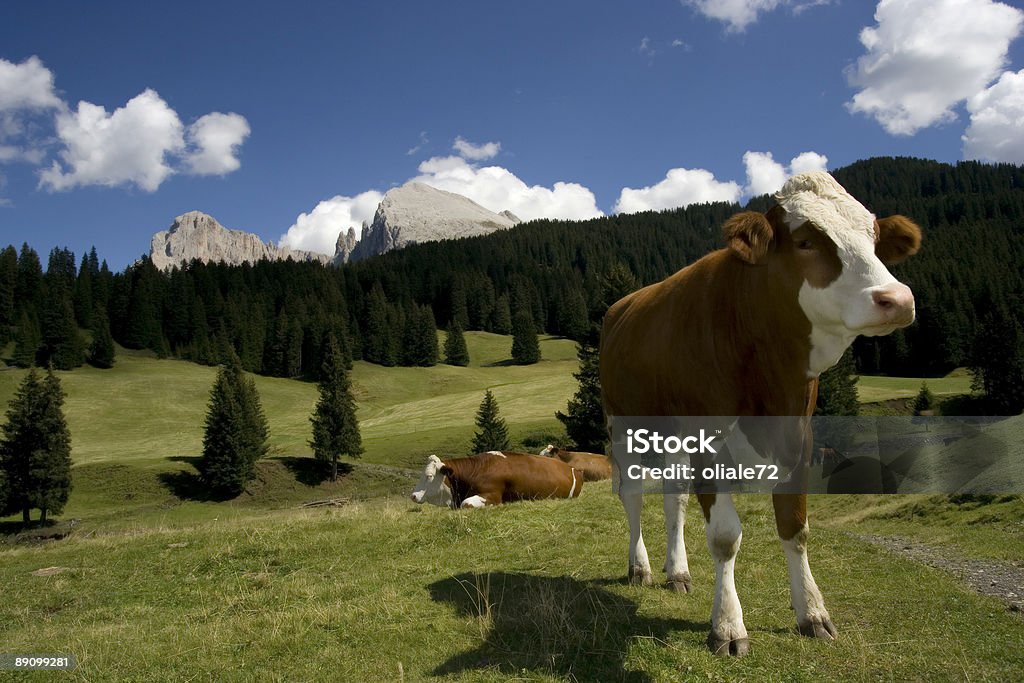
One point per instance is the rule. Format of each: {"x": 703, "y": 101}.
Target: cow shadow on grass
{"x": 552, "y": 625}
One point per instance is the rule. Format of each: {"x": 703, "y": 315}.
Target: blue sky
{"x": 290, "y": 121}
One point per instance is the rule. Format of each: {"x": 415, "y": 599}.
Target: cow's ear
{"x": 445, "y": 470}
{"x": 898, "y": 239}
{"x": 748, "y": 235}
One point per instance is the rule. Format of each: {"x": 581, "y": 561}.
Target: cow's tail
{"x": 572, "y": 491}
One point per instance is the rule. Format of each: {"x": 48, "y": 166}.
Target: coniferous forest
{"x": 277, "y": 316}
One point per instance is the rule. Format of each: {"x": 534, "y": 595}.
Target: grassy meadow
{"x": 156, "y": 583}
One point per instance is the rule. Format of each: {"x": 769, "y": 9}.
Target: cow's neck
{"x": 827, "y": 347}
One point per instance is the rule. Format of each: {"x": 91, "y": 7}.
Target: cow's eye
{"x": 805, "y": 245}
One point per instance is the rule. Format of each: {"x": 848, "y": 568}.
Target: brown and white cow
{"x": 595, "y": 467}
{"x": 745, "y": 331}
{"x": 493, "y": 478}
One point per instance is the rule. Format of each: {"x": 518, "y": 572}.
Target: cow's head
{"x": 550, "y": 451}
{"x": 432, "y": 487}
{"x": 833, "y": 252}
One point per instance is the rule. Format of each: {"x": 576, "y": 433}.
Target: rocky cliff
{"x": 195, "y": 235}
{"x": 416, "y": 213}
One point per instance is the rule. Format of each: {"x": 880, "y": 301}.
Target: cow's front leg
{"x": 475, "y": 502}
{"x": 639, "y": 565}
{"x": 812, "y": 618}
{"x": 728, "y": 634}
{"x": 677, "y": 570}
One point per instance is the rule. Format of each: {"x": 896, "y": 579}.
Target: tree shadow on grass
{"x": 553, "y": 625}
{"x": 186, "y": 484}
{"x": 313, "y": 472}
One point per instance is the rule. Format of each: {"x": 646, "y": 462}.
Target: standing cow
{"x": 745, "y": 331}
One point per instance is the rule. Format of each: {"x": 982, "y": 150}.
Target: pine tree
{"x": 925, "y": 400}
{"x": 998, "y": 361}
{"x": 35, "y": 452}
{"x": 335, "y": 427}
{"x": 61, "y": 344}
{"x": 585, "y": 421}
{"x": 501, "y": 316}
{"x": 8, "y": 281}
{"x": 101, "y": 353}
{"x": 455, "y": 350}
{"x": 236, "y": 432}
{"x": 420, "y": 337}
{"x": 525, "y": 347}
{"x": 26, "y": 341}
{"x": 492, "y": 433}
{"x": 837, "y": 389}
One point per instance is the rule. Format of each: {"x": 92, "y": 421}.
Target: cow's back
{"x": 518, "y": 476}
{"x": 708, "y": 340}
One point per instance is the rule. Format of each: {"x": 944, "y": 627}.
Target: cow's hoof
{"x": 680, "y": 583}
{"x": 818, "y": 627}
{"x": 640, "y": 576}
{"x": 723, "y": 646}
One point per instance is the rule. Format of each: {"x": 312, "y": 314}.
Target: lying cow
{"x": 493, "y": 478}
{"x": 595, "y": 467}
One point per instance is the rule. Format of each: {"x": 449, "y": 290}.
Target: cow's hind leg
{"x": 677, "y": 569}
{"x": 812, "y": 618}
{"x": 728, "y": 634}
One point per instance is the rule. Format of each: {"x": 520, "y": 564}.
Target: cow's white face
{"x": 432, "y": 487}
{"x": 549, "y": 451}
{"x": 835, "y": 248}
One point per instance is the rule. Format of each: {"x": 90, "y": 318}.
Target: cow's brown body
{"x": 595, "y": 467}
{"x": 506, "y": 477}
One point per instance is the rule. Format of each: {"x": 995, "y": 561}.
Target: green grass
{"x": 873, "y": 389}
{"x": 381, "y": 589}
{"x": 530, "y": 591}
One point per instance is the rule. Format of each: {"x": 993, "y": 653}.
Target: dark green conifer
{"x": 492, "y": 433}
{"x": 335, "y": 427}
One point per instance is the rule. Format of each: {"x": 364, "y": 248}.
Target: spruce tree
{"x": 101, "y": 353}
{"x": 925, "y": 400}
{"x": 525, "y": 346}
{"x": 335, "y": 427}
{"x": 236, "y": 432}
{"x": 26, "y": 341}
{"x": 998, "y": 361}
{"x": 35, "y": 451}
{"x": 837, "y": 389}
{"x": 501, "y": 316}
{"x": 455, "y": 350}
{"x": 584, "y": 420}
{"x": 492, "y": 433}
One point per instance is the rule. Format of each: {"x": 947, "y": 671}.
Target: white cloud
{"x": 498, "y": 189}
{"x": 423, "y": 141}
{"x": 645, "y": 48}
{"x": 738, "y": 14}
{"x": 766, "y": 176}
{"x": 925, "y": 56}
{"x": 131, "y": 145}
{"x": 996, "y": 132}
{"x": 28, "y": 85}
{"x": 467, "y": 150}
{"x": 685, "y": 186}
{"x": 142, "y": 144}
{"x": 681, "y": 187}
{"x": 318, "y": 230}
{"x": 493, "y": 187}
{"x": 214, "y": 141}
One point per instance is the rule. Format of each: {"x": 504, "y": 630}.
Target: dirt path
{"x": 1002, "y": 580}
